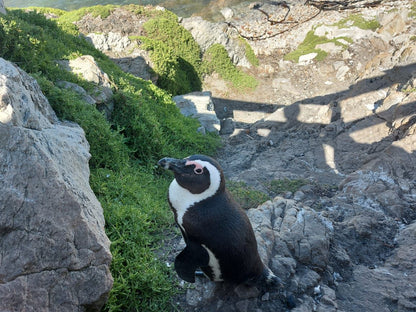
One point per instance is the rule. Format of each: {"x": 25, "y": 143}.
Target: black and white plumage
{"x": 218, "y": 235}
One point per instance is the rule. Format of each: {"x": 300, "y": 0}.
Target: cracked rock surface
{"x": 54, "y": 254}
{"x": 346, "y": 125}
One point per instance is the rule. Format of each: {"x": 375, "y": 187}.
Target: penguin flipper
{"x": 191, "y": 258}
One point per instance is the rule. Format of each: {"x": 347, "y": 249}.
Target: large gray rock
{"x": 54, "y": 252}
{"x": 199, "y": 105}
{"x": 125, "y": 53}
{"x": 391, "y": 285}
{"x": 88, "y": 69}
{"x": 2, "y": 9}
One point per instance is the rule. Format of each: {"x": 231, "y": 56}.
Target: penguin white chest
{"x": 182, "y": 199}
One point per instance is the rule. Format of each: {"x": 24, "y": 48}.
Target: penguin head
{"x": 196, "y": 173}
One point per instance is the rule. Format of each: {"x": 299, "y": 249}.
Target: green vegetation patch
{"x": 246, "y": 196}
{"x": 309, "y": 46}
{"x": 311, "y": 40}
{"x": 175, "y": 55}
{"x": 358, "y": 21}
{"x": 146, "y": 125}
{"x": 251, "y": 57}
{"x": 135, "y": 210}
{"x": 57, "y": 12}
{"x": 153, "y": 125}
{"x": 216, "y": 59}
{"x": 412, "y": 12}
{"x": 282, "y": 186}
{"x": 102, "y": 11}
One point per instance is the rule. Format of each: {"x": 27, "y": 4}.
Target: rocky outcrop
{"x": 125, "y": 53}
{"x": 346, "y": 126}
{"x": 54, "y": 251}
{"x": 207, "y": 33}
{"x": 112, "y": 36}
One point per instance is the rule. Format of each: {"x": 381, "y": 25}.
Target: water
{"x": 183, "y": 8}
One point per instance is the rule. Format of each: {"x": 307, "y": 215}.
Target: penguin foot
{"x": 272, "y": 280}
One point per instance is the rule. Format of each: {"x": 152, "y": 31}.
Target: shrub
{"x": 175, "y": 54}
{"x": 154, "y": 127}
{"x": 216, "y": 59}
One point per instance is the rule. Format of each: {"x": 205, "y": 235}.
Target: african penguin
{"x": 218, "y": 235}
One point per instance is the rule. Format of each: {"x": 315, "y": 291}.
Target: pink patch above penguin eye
{"x": 198, "y": 167}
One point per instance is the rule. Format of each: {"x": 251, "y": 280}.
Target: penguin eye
{"x": 198, "y": 170}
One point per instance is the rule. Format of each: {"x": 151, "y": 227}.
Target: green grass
{"x": 358, "y": 21}
{"x": 281, "y": 186}
{"x": 146, "y": 126}
{"x": 251, "y": 57}
{"x": 102, "y": 11}
{"x": 216, "y": 59}
{"x": 311, "y": 40}
{"x": 246, "y": 196}
{"x": 135, "y": 211}
{"x": 309, "y": 46}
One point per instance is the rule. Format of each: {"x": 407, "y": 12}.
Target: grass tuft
{"x": 281, "y": 186}
{"x": 358, "y": 21}
{"x": 309, "y": 46}
{"x": 246, "y": 196}
{"x": 216, "y": 59}
{"x": 311, "y": 40}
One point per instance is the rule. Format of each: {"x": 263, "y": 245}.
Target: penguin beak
{"x": 176, "y": 165}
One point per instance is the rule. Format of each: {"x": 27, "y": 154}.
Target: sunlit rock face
{"x": 54, "y": 251}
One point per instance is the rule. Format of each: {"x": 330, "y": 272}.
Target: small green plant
{"x": 311, "y": 40}
{"x": 281, "y": 186}
{"x": 358, "y": 21}
{"x": 251, "y": 57}
{"x": 216, "y": 59}
{"x": 246, "y": 196}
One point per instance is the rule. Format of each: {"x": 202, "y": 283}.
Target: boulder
{"x": 199, "y": 105}
{"x": 2, "y": 9}
{"x": 125, "y": 53}
{"x": 54, "y": 252}
{"x": 87, "y": 68}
